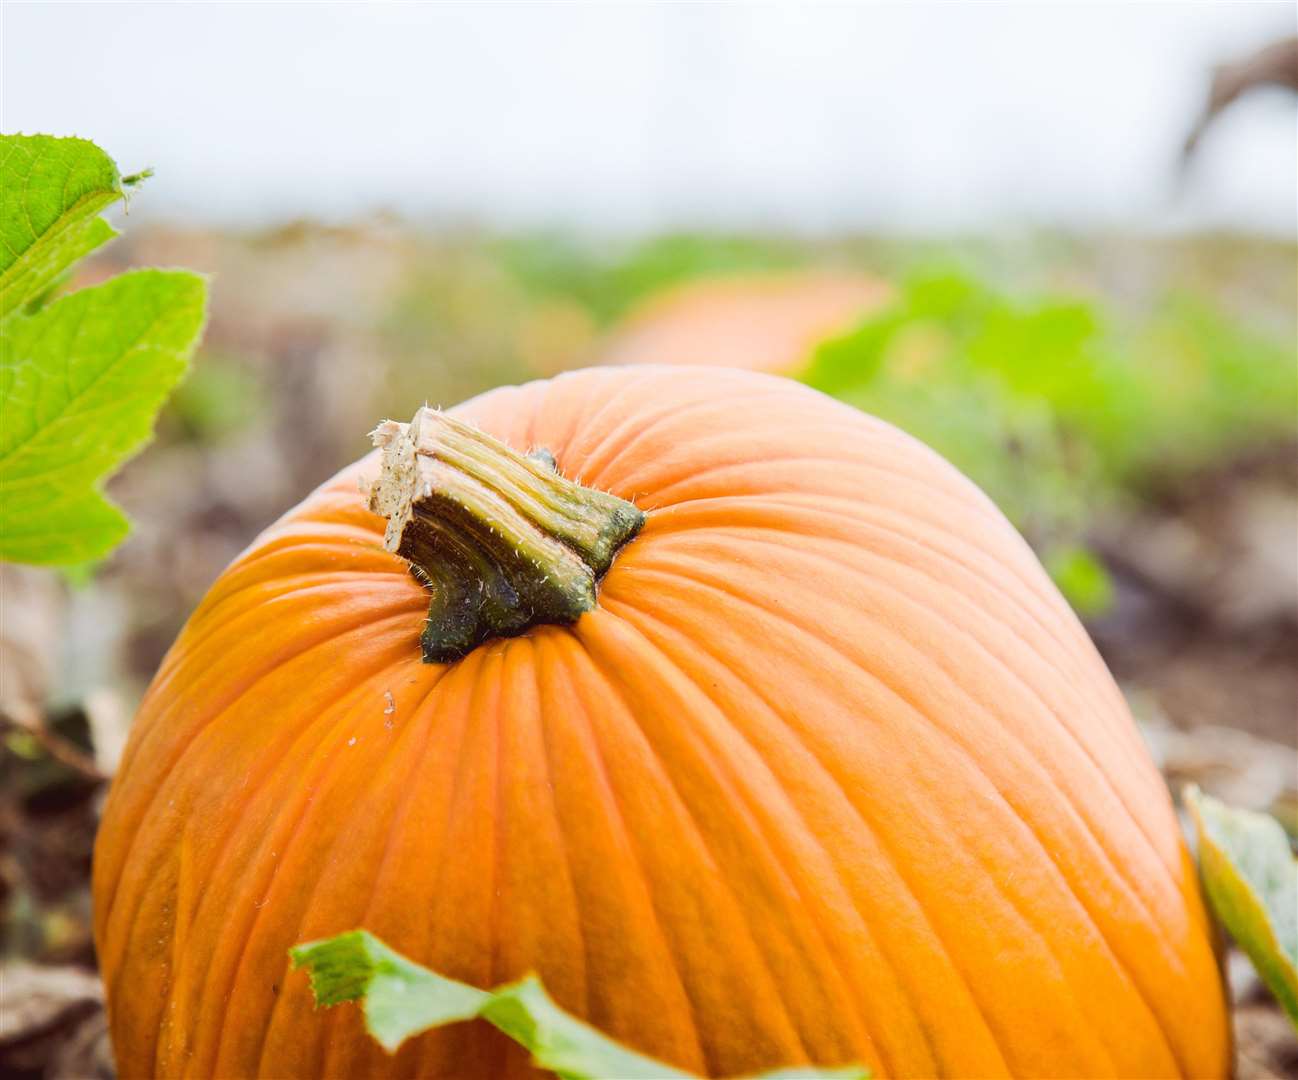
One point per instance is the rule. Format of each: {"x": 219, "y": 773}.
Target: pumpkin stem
{"x": 505, "y": 542}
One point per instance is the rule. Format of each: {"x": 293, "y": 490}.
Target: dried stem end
{"x": 504, "y": 541}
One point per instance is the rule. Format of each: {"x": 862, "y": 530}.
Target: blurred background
{"x": 1059, "y": 242}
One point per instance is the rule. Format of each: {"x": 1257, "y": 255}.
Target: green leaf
{"x": 75, "y": 529}
{"x": 1251, "y": 878}
{"x": 81, "y": 382}
{"x": 81, "y": 376}
{"x": 559, "y": 1041}
{"x": 1081, "y": 577}
{"x": 51, "y": 193}
{"x": 401, "y": 999}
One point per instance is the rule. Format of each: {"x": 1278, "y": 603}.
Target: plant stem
{"x": 502, "y": 539}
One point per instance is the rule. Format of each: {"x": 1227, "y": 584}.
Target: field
{"x": 1129, "y": 401}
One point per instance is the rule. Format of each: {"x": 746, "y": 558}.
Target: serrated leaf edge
{"x": 345, "y": 967}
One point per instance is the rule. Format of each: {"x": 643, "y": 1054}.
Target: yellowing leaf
{"x": 1251, "y": 878}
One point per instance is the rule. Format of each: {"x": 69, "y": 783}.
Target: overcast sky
{"x": 637, "y": 116}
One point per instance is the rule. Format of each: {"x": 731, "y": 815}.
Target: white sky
{"x": 915, "y": 116}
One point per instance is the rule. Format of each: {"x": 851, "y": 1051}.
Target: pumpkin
{"x": 762, "y": 322}
{"x": 814, "y": 766}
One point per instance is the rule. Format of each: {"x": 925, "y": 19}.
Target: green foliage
{"x": 218, "y": 399}
{"x": 1082, "y": 578}
{"x": 51, "y": 193}
{"x": 451, "y": 329}
{"x": 1051, "y": 410}
{"x": 83, "y": 376}
{"x": 1251, "y": 878}
{"x": 1209, "y": 386}
{"x": 401, "y": 999}
{"x": 608, "y": 280}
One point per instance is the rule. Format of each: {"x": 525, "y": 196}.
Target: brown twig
{"x": 54, "y": 744}
{"x": 1273, "y": 65}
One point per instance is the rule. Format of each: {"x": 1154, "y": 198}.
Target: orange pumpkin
{"x": 828, "y": 773}
{"x": 762, "y": 322}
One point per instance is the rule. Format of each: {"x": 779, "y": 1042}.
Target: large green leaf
{"x": 401, "y": 999}
{"x": 82, "y": 377}
{"x": 1251, "y": 878}
{"x": 51, "y": 193}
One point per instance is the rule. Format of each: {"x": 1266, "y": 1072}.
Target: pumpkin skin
{"x": 759, "y": 322}
{"x": 832, "y": 773}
